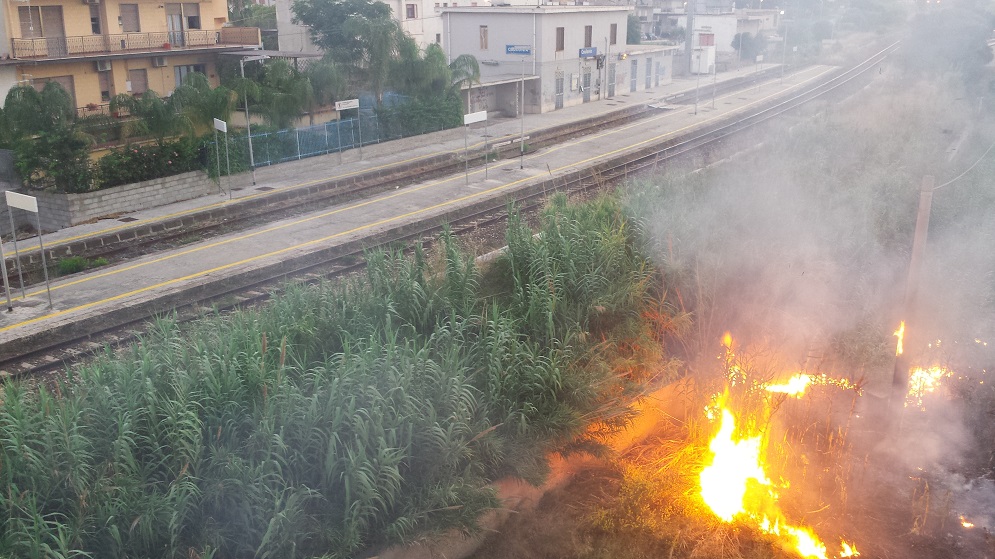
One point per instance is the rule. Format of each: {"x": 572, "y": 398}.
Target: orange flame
{"x": 900, "y": 334}
{"x": 966, "y": 523}
{"x": 849, "y": 550}
{"x": 727, "y": 340}
{"x": 795, "y": 386}
{"x": 922, "y": 381}
{"x": 736, "y": 466}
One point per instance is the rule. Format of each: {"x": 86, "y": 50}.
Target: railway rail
{"x": 347, "y": 258}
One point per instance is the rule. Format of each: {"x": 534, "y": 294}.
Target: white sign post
{"x": 29, "y": 204}
{"x": 222, "y": 126}
{"x": 468, "y": 119}
{"x": 352, "y": 104}
{"x": 6, "y": 280}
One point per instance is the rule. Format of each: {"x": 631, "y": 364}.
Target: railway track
{"x": 126, "y": 242}
{"x": 489, "y": 213}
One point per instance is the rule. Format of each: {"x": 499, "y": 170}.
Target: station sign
{"x": 21, "y": 201}
{"x": 471, "y": 118}
{"x": 347, "y": 104}
{"x": 520, "y": 50}
{"x": 588, "y": 52}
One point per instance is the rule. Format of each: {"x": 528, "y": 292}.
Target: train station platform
{"x": 155, "y": 283}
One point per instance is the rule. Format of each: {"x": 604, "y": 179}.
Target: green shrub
{"x": 420, "y": 116}
{"x": 135, "y": 163}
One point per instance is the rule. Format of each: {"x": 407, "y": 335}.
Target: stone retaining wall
{"x": 58, "y": 211}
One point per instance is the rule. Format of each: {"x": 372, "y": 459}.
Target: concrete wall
{"x": 292, "y": 37}
{"x": 8, "y": 79}
{"x": 58, "y": 211}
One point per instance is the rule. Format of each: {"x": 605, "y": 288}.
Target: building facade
{"x": 97, "y": 49}
{"x": 577, "y": 54}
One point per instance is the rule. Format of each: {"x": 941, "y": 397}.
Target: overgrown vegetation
{"x": 341, "y": 416}
{"x": 74, "y": 264}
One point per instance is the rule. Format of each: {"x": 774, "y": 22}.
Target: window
{"x": 191, "y": 12}
{"x": 483, "y": 37}
{"x": 95, "y": 19}
{"x": 129, "y": 18}
{"x": 438, "y": 38}
{"x": 588, "y": 33}
{"x": 410, "y": 12}
{"x": 30, "y": 18}
{"x": 138, "y": 81}
{"x": 613, "y": 36}
{"x": 104, "y": 78}
{"x": 559, "y": 39}
{"x": 181, "y": 72}
{"x": 65, "y": 81}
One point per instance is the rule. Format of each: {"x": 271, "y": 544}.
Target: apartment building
{"x": 97, "y": 49}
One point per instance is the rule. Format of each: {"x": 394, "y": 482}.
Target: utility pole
{"x": 900, "y": 377}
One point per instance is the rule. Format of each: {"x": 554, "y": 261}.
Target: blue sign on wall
{"x": 589, "y": 52}
{"x": 521, "y": 50}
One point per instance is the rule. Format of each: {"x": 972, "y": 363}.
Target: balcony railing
{"x": 86, "y": 45}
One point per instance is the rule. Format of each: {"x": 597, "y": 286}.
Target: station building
{"x": 562, "y": 55}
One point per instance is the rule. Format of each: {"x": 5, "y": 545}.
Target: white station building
{"x": 560, "y": 55}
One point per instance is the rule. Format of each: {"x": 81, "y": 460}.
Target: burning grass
{"x": 829, "y": 477}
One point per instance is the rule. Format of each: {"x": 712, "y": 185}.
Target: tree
{"x": 328, "y": 21}
{"x": 418, "y": 73}
{"x": 327, "y": 85}
{"x": 202, "y": 104}
{"x": 29, "y": 111}
{"x": 49, "y": 147}
{"x": 283, "y": 94}
{"x": 465, "y": 70}
{"x": 156, "y": 117}
{"x": 382, "y": 40}
{"x": 633, "y": 30}
{"x": 749, "y": 46}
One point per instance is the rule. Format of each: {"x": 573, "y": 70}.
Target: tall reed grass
{"x": 342, "y": 416}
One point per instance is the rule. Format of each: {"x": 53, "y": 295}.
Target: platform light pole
{"x": 245, "y": 95}
{"x": 784, "y": 46}
{"x": 521, "y": 154}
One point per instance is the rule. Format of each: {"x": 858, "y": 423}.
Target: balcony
{"x": 41, "y": 48}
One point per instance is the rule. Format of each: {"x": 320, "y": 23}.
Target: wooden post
{"x": 900, "y": 378}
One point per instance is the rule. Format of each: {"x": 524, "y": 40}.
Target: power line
{"x": 968, "y": 170}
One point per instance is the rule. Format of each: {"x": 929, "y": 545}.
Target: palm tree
{"x": 420, "y": 74}
{"x": 201, "y": 104}
{"x": 284, "y": 94}
{"x": 382, "y": 40}
{"x": 29, "y": 111}
{"x": 465, "y": 70}
{"x": 327, "y": 84}
{"x": 156, "y": 117}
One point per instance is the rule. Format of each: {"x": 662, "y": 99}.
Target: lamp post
{"x": 697, "y": 74}
{"x": 521, "y": 153}
{"x": 245, "y": 95}
{"x": 784, "y": 46}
